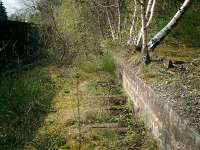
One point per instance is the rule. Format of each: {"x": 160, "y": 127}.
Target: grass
{"x": 156, "y": 69}
{"x": 108, "y": 64}
{"x": 188, "y": 30}
{"x": 39, "y": 109}
{"x": 179, "y": 53}
{"x": 25, "y": 98}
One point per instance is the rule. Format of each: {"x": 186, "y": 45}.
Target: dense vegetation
{"x": 20, "y": 45}
{"x": 89, "y": 23}
{"x": 55, "y": 104}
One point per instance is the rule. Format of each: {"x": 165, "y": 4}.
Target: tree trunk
{"x": 149, "y": 16}
{"x": 167, "y": 29}
{"x": 119, "y": 19}
{"x": 145, "y": 54}
{"x": 148, "y": 11}
{"x": 110, "y": 25}
{"x": 132, "y": 40}
{"x": 133, "y": 21}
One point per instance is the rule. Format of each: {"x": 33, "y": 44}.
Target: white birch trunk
{"x": 143, "y": 31}
{"x": 110, "y": 25}
{"x": 133, "y": 21}
{"x": 151, "y": 13}
{"x": 148, "y": 11}
{"x": 132, "y": 40}
{"x": 145, "y": 53}
{"x": 149, "y": 16}
{"x": 119, "y": 18}
{"x": 167, "y": 29}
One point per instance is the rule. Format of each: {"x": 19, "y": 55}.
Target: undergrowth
{"x": 25, "y": 98}
{"x": 39, "y": 109}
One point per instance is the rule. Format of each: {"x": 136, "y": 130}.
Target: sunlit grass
{"x": 52, "y": 121}
{"x": 177, "y": 53}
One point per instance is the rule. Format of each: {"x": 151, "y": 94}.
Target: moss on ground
{"x": 46, "y": 100}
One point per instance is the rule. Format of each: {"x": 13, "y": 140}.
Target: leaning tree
{"x": 112, "y": 14}
{"x": 139, "y": 38}
{"x": 111, "y": 17}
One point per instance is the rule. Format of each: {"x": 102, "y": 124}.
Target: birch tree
{"x": 147, "y": 12}
{"x": 113, "y": 16}
{"x": 119, "y": 18}
{"x": 110, "y": 25}
{"x": 145, "y": 53}
{"x": 156, "y": 40}
{"x": 132, "y": 29}
{"x": 148, "y": 16}
{"x": 166, "y": 30}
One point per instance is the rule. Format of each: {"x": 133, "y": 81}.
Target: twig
{"x": 78, "y": 113}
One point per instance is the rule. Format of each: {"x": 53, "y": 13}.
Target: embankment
{"x": 171, "y": 130}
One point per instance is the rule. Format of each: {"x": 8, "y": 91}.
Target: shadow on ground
{"x": 25, "y": 100}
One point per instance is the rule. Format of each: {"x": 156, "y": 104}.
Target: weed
{"x": 39, "y": 110}
{"x": 108, "y": 64}
{"x": 24, "y": 100}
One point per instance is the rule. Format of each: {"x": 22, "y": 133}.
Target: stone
{"x": 168, "y": 64}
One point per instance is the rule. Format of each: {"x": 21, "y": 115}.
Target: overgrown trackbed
{"x": 104, "y": 120}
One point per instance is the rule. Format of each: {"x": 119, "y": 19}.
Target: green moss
{"x": 29, "y": 101}
{"x": 108, "y": 64}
